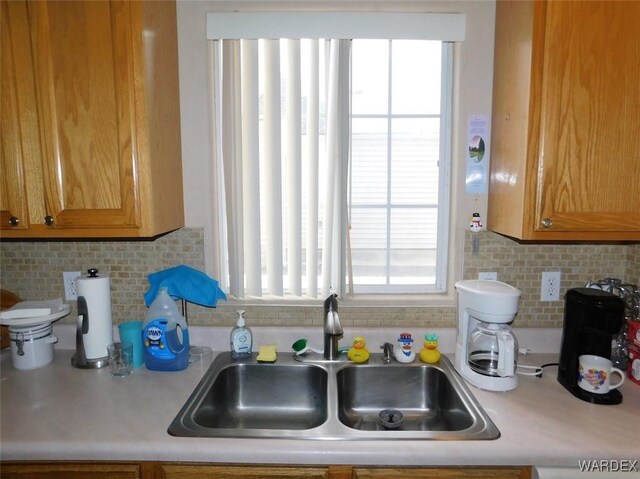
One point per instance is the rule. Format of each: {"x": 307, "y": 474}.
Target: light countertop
{"x": 61, "y": 413}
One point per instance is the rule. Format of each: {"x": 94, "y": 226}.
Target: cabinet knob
{"x": 547, "y": 223}
{"x": 48, "y": 220}
{"x": 13, "y": 221}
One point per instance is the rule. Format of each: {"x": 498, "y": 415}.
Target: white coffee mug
{"x": 594, "y": 374}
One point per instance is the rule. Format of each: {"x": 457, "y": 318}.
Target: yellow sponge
{"x": 267, "y": 354}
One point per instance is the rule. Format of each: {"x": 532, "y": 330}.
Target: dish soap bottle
{"x": 165, "y": 336}
{"x": 241, "y": 338}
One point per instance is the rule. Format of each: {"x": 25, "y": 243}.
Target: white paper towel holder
{"x": 84, "y": 325}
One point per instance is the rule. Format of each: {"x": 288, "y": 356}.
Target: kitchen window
{"x": 399, "y": 165}
{"x": 331, "y": 155}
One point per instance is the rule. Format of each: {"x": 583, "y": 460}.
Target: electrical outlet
{"x": 550, "y": 286}
{"x": 491, "y": 275}
{"x": 69, "y": 281}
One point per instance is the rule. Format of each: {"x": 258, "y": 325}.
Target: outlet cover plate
{"x": 491, "y": 275}
{"x": 550, "y": 286}
{"x": 70, "y": 289}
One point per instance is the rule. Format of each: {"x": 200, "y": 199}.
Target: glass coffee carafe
{"x": 492, "y": 350}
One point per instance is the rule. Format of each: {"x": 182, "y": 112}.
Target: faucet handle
{"x": 332, "y": 324}
{"x": 331, "y": 303}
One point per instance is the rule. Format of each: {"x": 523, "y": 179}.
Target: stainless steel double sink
{"x": 336, "y": 400}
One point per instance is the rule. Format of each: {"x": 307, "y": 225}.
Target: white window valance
{"x": 448, "y": 27}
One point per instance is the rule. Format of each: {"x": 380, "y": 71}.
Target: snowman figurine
{"x": 476, "y": 223}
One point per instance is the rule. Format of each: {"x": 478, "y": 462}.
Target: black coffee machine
{"x": 591, "y": 318}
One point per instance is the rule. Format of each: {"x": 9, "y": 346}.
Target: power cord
{"x": 533, "y": 370}
{"x": 546, "y": 366}
{"x": 536, "y": 370}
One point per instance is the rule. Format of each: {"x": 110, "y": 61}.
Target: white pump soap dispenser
{"x": 241, "y": 338}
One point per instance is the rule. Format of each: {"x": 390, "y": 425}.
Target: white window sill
{"x": 435, "y": 300}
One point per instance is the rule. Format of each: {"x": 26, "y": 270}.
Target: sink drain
{"x": 390, "y": 418}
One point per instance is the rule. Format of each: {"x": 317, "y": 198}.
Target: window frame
{"x": 437, "y": 19}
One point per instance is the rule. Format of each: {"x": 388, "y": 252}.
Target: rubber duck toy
{"x": 430, "y": 353}
{"x": 403, "y": 352}
{"x": 358, "y": 353}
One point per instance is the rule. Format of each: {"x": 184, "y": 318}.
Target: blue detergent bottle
{"x": 165, "y": 336}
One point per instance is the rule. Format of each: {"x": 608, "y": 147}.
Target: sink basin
{"x": 254, "y": 396}
{"x": 311, "y": 398}
{"x": 426, "y": 398}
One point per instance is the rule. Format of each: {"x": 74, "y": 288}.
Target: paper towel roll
{"x": 97, "y": 293}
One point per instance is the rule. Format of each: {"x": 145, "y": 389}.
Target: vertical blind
{"x": 259, "y": 92}
{"x": 280, "y": 115}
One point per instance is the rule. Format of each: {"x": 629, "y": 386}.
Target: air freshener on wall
{"x": 477, "y": 154}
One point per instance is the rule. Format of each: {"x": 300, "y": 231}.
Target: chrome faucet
{"x": 332, "y": 328}
{"x": 387, "y": 352}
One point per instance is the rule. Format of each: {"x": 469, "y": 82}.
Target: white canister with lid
{"x": 32, "y": 346}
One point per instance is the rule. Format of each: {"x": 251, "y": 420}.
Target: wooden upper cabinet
{"x": 84, "y": 76}
{"x": 566, "y": 121}
{"x": 18, "y": 115}
{"x": 107, "y": 160}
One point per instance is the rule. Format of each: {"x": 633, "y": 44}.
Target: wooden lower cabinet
{"x": 441, "y": 473}
{"x": 190, "y": 471}
{"x": 156, "y": 470}
{"x": 71, "y": 470}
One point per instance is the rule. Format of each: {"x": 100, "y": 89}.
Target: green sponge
{"x": 267, "y": 354}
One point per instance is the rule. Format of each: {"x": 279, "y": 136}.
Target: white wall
{"x": 473, "y": 87}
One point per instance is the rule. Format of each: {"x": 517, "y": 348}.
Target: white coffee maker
{"x": 486, "y": 349}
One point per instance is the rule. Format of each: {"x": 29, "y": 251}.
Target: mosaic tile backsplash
{"x": 33, "y": 270}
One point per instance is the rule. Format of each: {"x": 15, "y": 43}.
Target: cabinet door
{"x": 443, "y": 473}
{"x": 18, "y": 116}
{"x": 589, "y": 153}
{"x": 83, "y": 62}
{"x": 184, "y": 471}
{"x": 62, "y": 470}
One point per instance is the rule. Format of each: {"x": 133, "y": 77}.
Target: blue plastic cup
{"x": 132, "y": 331}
